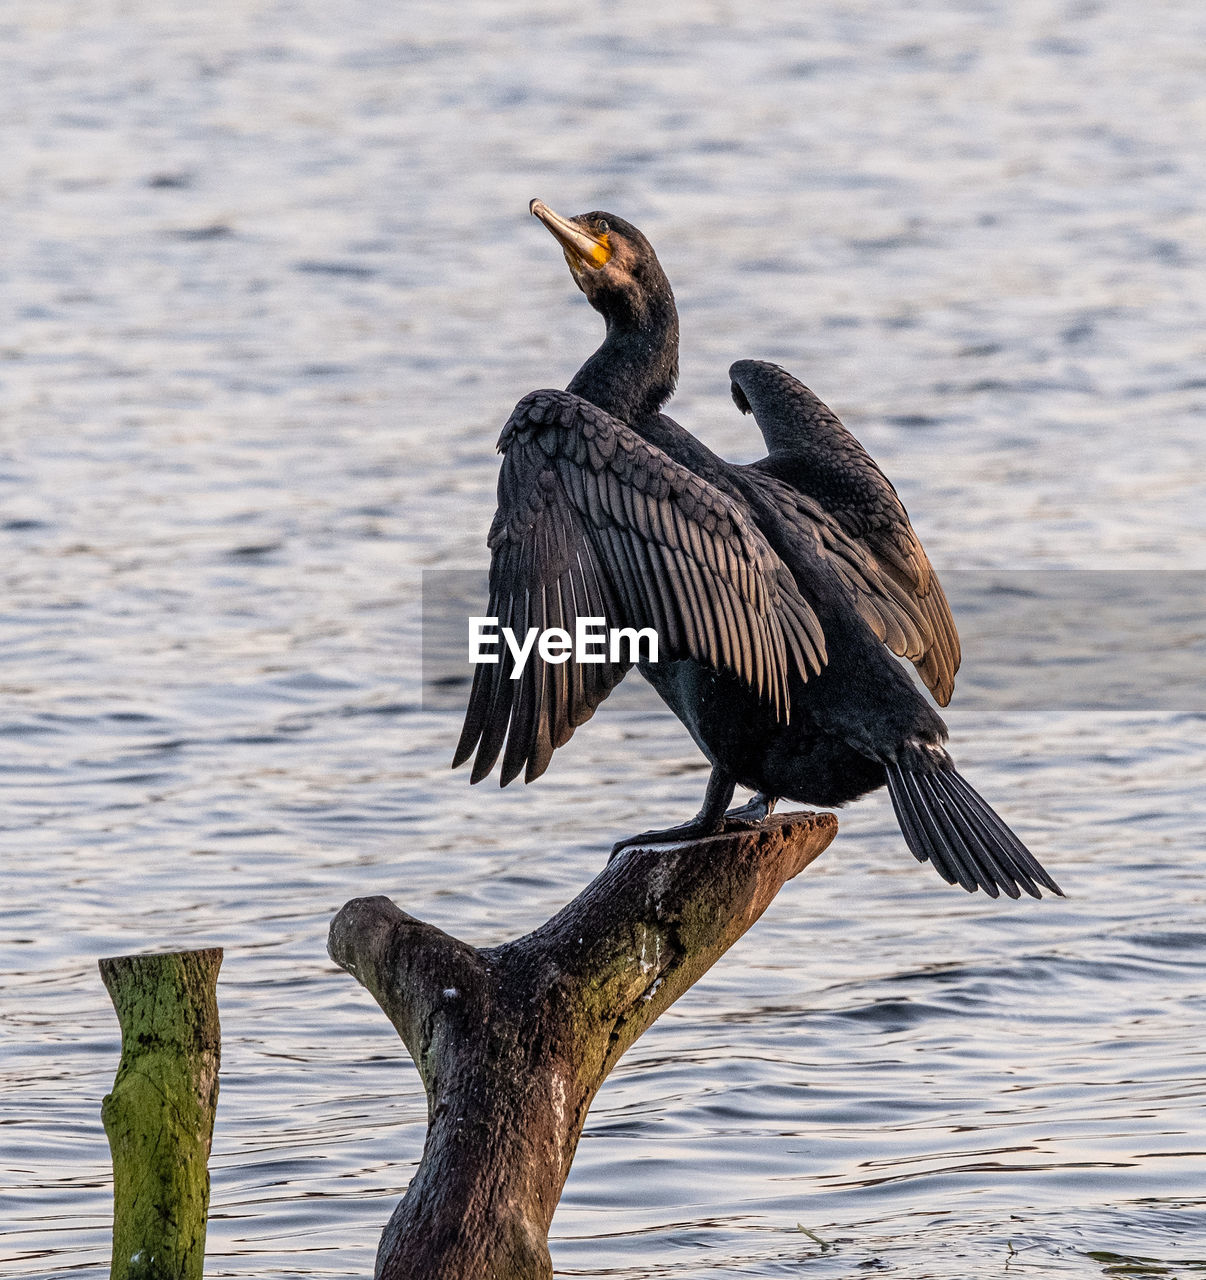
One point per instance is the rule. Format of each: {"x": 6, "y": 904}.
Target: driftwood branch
{"x": 160, "y": 1116}
{"x": 512, "y": 1042}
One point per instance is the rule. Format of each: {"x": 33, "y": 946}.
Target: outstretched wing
{"x": 864, "y": 526}
{"x": 593, "y": 521}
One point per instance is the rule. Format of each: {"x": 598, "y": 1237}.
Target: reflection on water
{"x": 270, "y": 293}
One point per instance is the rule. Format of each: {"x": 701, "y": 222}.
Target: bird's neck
{"x": 635, "y": 371}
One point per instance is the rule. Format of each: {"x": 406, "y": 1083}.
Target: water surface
{"x": 270, "y": 291}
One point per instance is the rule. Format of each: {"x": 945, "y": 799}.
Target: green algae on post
{"x": 159, "y": 1118}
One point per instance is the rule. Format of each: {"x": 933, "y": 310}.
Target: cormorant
{"x": 776, "y": 589}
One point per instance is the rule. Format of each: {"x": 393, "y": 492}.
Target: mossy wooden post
{"x": 512, "y": 1042}
{"x": 160, "y": 1116}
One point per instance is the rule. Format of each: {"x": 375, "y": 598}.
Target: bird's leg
{"x": 754, "y": 813}
{"x": 709, "y": 821}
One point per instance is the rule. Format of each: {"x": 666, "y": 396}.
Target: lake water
{"x": 270, "y": 291}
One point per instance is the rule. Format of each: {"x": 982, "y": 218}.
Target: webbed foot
{"x": 696, "y": 829}
{"x": 751, "y": 814}
{"x": 748, "y": 817}
{"x": 709, "y": 821}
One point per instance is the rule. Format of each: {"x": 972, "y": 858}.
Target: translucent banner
{"x": 1104, "y": 639}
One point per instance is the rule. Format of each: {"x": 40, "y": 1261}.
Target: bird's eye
{"x": 602, "y": 226}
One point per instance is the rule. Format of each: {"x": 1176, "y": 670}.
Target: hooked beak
{"x": 582, "y": 249}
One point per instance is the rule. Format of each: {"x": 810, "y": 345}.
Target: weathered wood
{"x": 160, "y": 1116}
{"x": 512, "y": 1042}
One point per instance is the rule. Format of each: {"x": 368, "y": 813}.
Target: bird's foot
{"x": 746, "y": 818}
{"x": 751, "y": 814}
{"x": 696, "y": 829}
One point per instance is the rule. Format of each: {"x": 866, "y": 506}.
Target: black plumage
{"x": 776, "y": 589}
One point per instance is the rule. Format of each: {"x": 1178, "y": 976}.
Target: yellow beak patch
{"x": 600, "y": 253}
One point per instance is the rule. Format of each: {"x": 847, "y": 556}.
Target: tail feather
{"x": 945, "y": 822}
{"x": 924, "y": 828}
{"x": 1019, "y": 859}
{"x": 981, "y": 837}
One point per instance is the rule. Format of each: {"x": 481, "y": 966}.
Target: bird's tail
{"x": 944, "y": 821}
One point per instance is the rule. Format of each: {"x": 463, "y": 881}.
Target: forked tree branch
{"x": 512, "y": 1042}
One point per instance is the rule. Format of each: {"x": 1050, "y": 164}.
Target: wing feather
{"x": 594, "y": 521}
{"x": 858, "y": 518}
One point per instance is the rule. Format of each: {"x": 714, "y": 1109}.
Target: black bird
{"x": 776, "y": 589}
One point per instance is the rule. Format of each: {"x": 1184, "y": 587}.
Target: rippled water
{"x": 270, "y": 289}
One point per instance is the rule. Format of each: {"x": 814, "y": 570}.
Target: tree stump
{"x": 512, "y": 1042}
{"x": 160, "y": 1116}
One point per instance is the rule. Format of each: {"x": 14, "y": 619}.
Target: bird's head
{"x": 612, "y": 263}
